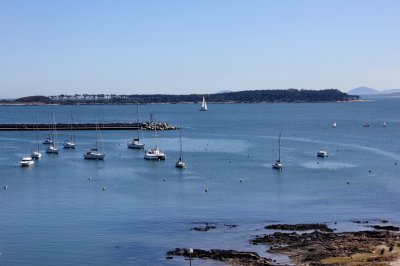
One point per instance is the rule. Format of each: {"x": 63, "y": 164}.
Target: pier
{"x": 89, "y": 126}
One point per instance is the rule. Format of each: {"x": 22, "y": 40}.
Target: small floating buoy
{"x": 369, "y": 170}
{"x": 348, "y": 182}
{"x": 241, "y": 180}
{"x": 317, "y": 162}
{"x": 164, "y": 179}
{"x": 395, "y": 163}
{"x": 5, "y": 187}
{"x": 230, "y": 161}
{"x": 118, "y": 246}
{"x": 90, "y": 178}
{"x": 206, "y": 190}
{"x": 104, "y": 188}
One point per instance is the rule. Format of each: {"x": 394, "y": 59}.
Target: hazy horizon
{"x": 179, "y": 47}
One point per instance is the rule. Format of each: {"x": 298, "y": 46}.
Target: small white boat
{"x": 68, "y": 144}
{"x": 334, "y": 124}
{"x": 278, "y": 165}
{"x": 136, "y": 143}
{"x": 52, "y": 149}
{"x": 203, "y": 105}
{"x": 180, "y": 163}
{"x": 48, "y": 141}
{"x": 36, "y": 155}
{"x": 154, "y": 154}
{"x": 27, "y": 161}
{"x": 384, "y": 124}
{"x": 93, "y": 154}
{"x": 322, "y": 153}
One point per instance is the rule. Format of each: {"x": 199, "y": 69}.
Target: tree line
{"x": 250, "y": 96}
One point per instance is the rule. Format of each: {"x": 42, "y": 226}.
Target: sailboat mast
{"x": 279, "y": 147}
{"x": 139, "y": 126}
{"x": 72, "y": 132}
{"x": 180, "y": 139}
{"x": 37, "y": 133}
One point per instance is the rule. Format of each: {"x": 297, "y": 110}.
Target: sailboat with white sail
{"x": 203, "y": 105}
{"x": 278, "y": 164}
{"x": 180, "y": 163}
{"x": 94, "y": 153}
{"x": 36, "y": 153}
{"x": 70, "y": 143}
{"x": 52, "y": 148}
{"x": 136, "y": 143}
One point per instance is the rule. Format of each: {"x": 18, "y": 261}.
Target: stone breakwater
{"x": 90, "y": 126}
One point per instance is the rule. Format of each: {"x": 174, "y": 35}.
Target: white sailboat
{"x": 36, "y": 153}
{"x": 180, "y": 163}
{"x": 136, "y": 143}
{"x": 322, "y": 153}
{"x": 203, "y": 105}
{"x": 52, "y": 148}
{"x": 384, "y": 124}
{"x": 70, "y": 143}
{"x": 48, "y": 140}
{"x": 94, "y": 153}
{"x": 278, "y": 165}
{"x": 154, "y": 153}
{"x": 334, "y": 124}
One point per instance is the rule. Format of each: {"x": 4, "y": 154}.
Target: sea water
{"x": 57, "y": 212}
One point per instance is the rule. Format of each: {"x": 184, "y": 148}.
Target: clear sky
{"x": 178, "y": 47}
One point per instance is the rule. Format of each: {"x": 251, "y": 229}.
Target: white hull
{"x": 203, "y": 106}
{"x": 154, "y": 154}
{"x": 52, "y": 150}
{"x": 180, "y": 164}
{"x": 69, "y": 145}
{"x": 135, "y": 144}
{"x": 322, "y": 154}
{"x": 48, "y": 141}
{"x": 27, "y": 161}
{"x": 277, "y": 165}
{"x": 93, "y": 155}
{"x": 36, "y": 155}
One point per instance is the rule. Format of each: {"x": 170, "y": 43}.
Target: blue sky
{"x": 179, "y": 47}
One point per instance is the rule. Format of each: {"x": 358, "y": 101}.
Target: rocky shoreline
{"x": 313, "y": 244}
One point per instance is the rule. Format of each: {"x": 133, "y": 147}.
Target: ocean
{"x": 57, "y": 212}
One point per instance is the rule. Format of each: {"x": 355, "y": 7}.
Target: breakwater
{"x": 89, "y": 126}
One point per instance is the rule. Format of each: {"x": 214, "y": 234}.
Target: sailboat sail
{"x": 203, "y": 105}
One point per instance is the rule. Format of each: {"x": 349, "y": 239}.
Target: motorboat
{"x": 154, "y": 154}
{"x": 27, "y": 161}
{"x": 322, "y": 153}
{"x": 334, "y": 124}
{"x": 93, "y": 154}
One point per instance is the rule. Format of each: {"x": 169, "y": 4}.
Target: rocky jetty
{"x": 231, "y": 257}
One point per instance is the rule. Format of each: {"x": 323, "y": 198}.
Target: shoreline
{"x": 311, "y": 244}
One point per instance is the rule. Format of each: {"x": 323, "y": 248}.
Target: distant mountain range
{"x": 371, "y": 91}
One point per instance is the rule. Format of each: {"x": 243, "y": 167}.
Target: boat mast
{"x": 54, "y": 131}
{"x": 279, "y": 160}
{"x": 180, "y": 139}
{"x": 37, "y": 133}
{"x": 72, "y": 132}
{"x": 139, "y": 126}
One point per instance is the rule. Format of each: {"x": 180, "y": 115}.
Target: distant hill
{"x": 363, "y": 91}
{"x": 34, "y": 99}
{"x": 371, "y": 91}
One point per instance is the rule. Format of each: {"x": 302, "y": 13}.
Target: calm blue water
{"x": 51, "y": 214}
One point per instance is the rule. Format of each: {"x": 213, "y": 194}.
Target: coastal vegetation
{"x": 249, "y": 96}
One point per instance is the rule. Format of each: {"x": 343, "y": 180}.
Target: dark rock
{"x": 387, "y": 227}
{"x": 299, "y": 227}
{"x": 228, "y": 256}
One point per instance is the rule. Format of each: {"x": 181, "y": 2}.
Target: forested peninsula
{"x": 250, "y": 96}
